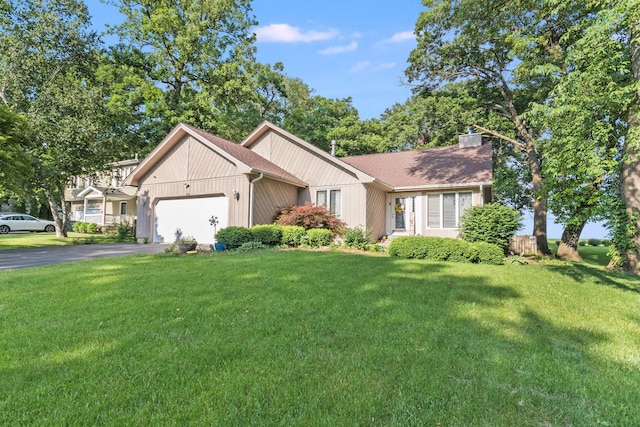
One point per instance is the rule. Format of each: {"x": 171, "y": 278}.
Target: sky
{"x": 348, "y": 48}
{"x": 340, "y": 49}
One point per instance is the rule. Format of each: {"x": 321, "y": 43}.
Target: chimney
{"x": 470, "y": 139}
{"x": 333, "y": 147}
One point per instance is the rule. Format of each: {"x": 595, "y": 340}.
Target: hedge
{"x": 318, "y": 237}
{"x": 444, "y": 249}
{"x": 270, "y": 235}
{"x": 234, "y": 237}
{"x": 293, "y": 235}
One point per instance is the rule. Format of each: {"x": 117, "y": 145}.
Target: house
{"x": 103, "y": 199}
{"x": 193, "y": 175}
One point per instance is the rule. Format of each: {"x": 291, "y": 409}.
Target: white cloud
{"x": 360, "y": 67}
{"x": 401, "y": 37}
{"x": 370, "y": 66}
{"x": 340, "y": 49}
{"x": 286, "y": 33}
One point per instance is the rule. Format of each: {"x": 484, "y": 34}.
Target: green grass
{"x": 36, "y": 240}
{"x": 318, "y": 338}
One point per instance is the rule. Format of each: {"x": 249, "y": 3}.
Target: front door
{"x": 400, "y": 213}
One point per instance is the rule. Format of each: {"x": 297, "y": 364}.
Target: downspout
{"x": 482, "y": 194}
{"x": 251, "y": 186}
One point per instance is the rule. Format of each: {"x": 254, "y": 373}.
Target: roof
{"x": 435, "y": 167}
{"x": 246, "y": 160}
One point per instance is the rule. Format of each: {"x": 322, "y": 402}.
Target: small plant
{"x": 251, "y": 246}
{"x": 357, "y": 238}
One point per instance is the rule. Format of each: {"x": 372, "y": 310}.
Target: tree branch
{"x": 513, "y": 141}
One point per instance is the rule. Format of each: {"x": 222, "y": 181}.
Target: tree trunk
{"x": 568, "y": 249}
{"x": 539, "y": 203}
{"x": 630, "y": 185}
{"x": 58, "y": 217}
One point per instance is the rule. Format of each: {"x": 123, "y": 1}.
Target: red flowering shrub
{"x": 310, "y": 216}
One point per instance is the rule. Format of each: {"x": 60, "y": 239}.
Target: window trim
{"x": 441, "y": 214}
{"x": 328, "y": 205}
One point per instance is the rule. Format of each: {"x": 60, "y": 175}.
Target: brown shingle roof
{"x": 247, "y": 156}
{"x": 423, "y": 168}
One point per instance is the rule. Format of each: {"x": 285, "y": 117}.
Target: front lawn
{"x": 317, "y": 338}
{"x": 36, "y": 240}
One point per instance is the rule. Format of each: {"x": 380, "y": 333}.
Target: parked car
{"x": 24, "y": 222}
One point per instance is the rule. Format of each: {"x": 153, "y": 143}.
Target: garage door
{"x": 191, "y": 217}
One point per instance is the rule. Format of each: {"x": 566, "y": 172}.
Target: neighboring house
{"x": 193, "y": 175}
{"x": 103, "y": 199}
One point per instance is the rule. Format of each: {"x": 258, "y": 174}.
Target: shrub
{"x": 268, "y": 234}
{"x": 491, "y": 223}
{"x": 593, "y": 242}
{"x": 444, "y": 249}
{"x": 357, "y": 238}
{"x": 309, "y": 217}
{"x": 488, "y": 253}
{"x": 582, "y": 243}
{"x": 234, "y": 237}
{"x": 251, "y": 246}
{"x": 318, "y": 237}
{"x": 85, "y": 227}
{"x": 293, "y": 235}
{"x": 78, "y": 227}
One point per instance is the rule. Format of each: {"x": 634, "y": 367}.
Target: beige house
{"x": 103, "y": 199}
{"x": 192, "y": 175}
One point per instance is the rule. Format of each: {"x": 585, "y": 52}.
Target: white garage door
{"x": 191, "y": 217}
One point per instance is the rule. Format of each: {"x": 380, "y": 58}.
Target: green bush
{"x": 78, "y": 227}
{"x": 444, "y": 249}
{"x": 234, "y": 237}
{"x": 491, "y": 223}
{"x": 318, "y": 237}
{"x": 357, "y": 238}
{"x": 270, "y": 235}
{"x": 293, "y": 235}
{"x": 594, "y": 242}
{"x": 582, "y": 243}
{"x": 85, "y": 227}
{"x": 488, "y": 253}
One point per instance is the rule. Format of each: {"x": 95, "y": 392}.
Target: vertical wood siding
{"x": 269, "y": 197}
{"x": 300, "y": 162}
{"x": 376, "y": 212}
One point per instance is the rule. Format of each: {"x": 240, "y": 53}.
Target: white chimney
{"x": 333, "y": 147}
{"x": 470, "y": 140}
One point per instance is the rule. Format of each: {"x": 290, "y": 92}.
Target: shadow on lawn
{"x": 581, "y": 272}
{"x": 315, "y": 338}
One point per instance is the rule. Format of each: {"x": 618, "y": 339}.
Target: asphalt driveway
{"x": 34, "y": 257}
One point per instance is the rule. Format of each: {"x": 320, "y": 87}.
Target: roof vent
{"x": 333, "y": 147}
{"x": 470, "y": 140}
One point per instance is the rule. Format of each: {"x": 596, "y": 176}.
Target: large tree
{"x": 183, "y": 61}
{"x": 15, "y": 163}
{"x": 48, "y": 58}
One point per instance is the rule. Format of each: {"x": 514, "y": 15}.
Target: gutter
{"x": 251, "y": 196}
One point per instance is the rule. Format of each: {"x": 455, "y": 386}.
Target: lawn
{"x": 36, "y": 240}
{"x": 318, "y": 338}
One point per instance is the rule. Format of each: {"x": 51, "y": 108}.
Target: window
{"x": 445, "y": 210}
{"x": 331, "y": 199}
{"x": 123, "y": 208}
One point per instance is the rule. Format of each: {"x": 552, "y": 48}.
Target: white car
{"x": 24, "y": 222}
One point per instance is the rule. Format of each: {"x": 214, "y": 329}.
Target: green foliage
{"x": 293, "y": 235}
{"x": 85, "y": 227}
{"x": 122, "y": 232}
{"x": 318, "y": 237}
{"x": 357, "y": 238}
{"x": 270, "y": 235}
{"x": 594, "y": 242}
{"x": 234, "y": 236}
{"x": 310, "y": 216}
{"x": 488, "y": 253}
{"x": 492, "y": 223}
{"x": 251, "y": 246}
{"x": 444, "y": 249}
{"x": 15, "y": 163}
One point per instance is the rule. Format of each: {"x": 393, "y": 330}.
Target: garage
{"x": 190, "y": 216}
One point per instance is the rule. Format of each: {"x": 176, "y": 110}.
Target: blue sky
{"x": 348, "y": 48}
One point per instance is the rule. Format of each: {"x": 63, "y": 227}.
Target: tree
{"x": 15, "y": 163}
{"x": 47, "y": 71}
{"x": 185, "y": 61}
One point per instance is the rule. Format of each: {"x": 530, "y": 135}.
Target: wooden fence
{"x": 523, "y": 245}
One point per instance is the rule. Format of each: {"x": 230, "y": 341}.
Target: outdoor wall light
{"x": 236, "y": 195}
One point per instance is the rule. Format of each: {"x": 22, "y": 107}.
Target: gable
{"x": 302, "y": 160}
{"x": 187, "y": 160}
